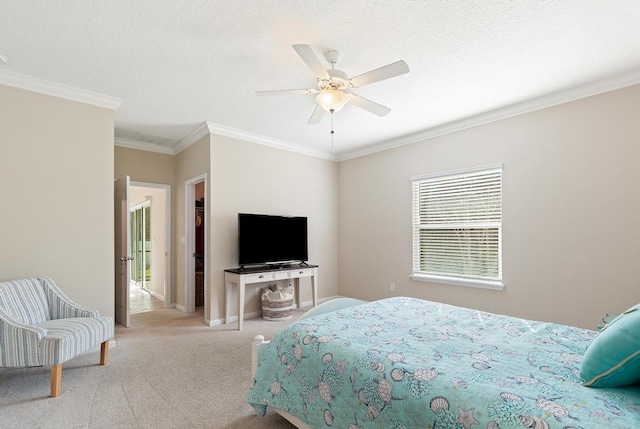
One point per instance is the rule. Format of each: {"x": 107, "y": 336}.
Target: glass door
{"x": 141, "y": 245}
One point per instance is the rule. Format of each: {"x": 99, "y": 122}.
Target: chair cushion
{"x": 24, "y": 300}
{"x": 67, "y": 338}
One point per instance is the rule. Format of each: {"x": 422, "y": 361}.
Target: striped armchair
{"x": 40, "y": 326}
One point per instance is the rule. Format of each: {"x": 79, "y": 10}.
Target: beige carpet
{"x": 168, "y": 370}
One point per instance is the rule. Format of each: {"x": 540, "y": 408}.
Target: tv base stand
{"x": 244, "y": 276}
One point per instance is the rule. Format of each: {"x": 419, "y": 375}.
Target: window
{"x": 457, "y": 227}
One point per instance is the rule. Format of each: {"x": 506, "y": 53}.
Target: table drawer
{"x": 281, "y": 275}
{"x": 259, "y": 277}
{"x": 302, "y": 272}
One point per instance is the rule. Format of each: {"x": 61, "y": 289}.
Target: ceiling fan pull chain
{"x": 332, "y": 131}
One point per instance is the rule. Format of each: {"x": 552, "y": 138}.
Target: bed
{"x": 404, "y": 363}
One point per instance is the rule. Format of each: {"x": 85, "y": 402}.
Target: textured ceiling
{"x": 179, "y": 64}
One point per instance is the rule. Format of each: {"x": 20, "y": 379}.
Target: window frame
{"x": 476, "y": 282}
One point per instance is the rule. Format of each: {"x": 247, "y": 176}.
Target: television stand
{"x": 243, "y": 276}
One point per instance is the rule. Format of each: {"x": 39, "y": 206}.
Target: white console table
{"x": 242, "y": 277}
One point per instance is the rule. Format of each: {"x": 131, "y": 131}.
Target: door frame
{"x": 190, "y": 243}
{"x": 168, "y": 302}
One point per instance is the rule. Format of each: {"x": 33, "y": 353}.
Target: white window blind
{"x": 457, "y": 225}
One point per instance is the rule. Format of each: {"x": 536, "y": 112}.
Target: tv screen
{"x": 268, "y": 239}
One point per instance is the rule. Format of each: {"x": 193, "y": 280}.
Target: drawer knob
{"x": 260, "y": 276}
{"x": 301, "y": 272}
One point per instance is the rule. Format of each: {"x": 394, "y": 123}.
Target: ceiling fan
{"x": 333, "y": 84}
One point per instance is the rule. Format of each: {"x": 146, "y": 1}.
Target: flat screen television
{"x": 269, "y": 239}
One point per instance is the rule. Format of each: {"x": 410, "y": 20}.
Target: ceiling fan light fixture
{"x": 332, "y": 99}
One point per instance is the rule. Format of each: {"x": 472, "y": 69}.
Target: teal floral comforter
{"x": 407, "y": 363}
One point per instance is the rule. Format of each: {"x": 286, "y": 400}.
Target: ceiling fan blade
{"x": 382, "y": 73}
{"x": 317, "y": 116}
{"x": 368, "y": 105}
{"x": 285, "y": 92}
{"x": 311, "y": 60}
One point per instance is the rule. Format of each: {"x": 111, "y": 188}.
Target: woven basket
{"x": 277, "y": 309}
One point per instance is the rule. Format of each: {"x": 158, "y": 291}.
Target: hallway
{"x": 140, "y": 300}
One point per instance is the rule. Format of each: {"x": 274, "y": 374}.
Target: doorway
{"x": 140, "y": 218}
{"x": 196, "y": 227}
{"x": 199, "y": 225}
{"x": 150, "y": 242}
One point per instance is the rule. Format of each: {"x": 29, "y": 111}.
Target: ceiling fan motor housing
{"x": 338, "y": 80}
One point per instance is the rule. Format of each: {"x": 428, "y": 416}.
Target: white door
{"x": 122, "y": 249}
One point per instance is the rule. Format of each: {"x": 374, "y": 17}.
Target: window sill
{"x": 458, "y": 281}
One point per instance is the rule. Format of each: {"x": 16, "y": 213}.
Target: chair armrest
{"x": 9, "y": 321}
{"x": 60, "y": 306}
{"x": 19, "y": 346}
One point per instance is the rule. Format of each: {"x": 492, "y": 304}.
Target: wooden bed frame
{"x": 259, "y": 346}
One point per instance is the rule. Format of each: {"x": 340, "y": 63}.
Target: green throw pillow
{"x": 613, "y": 357}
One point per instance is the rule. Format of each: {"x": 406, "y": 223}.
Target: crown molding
{"x": 196, "y": 135}
{"x": 59, "y": 90}
{"x": 201, "y": 132}
{"x": 149, "y": 147}
{"x": 208, "y": 128}
{"x": 572, "y": 94}
{"x": 266, "y": 141}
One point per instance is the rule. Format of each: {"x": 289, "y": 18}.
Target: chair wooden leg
{"x": 56, "y": 380}
{"x": 104, "y": 353}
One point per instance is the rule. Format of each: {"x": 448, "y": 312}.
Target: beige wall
{"x": 144, "y": 166}
{"x": 570, "y": 211}
{"x": 253, "y": 178}
{"x": 190, "y": 163}
{"x": 56, "y": 182}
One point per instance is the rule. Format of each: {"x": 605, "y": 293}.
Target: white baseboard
{"x": 157, "y": 295}
{"x": 234, "y": 319}
{"x": 181, "y": 308}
